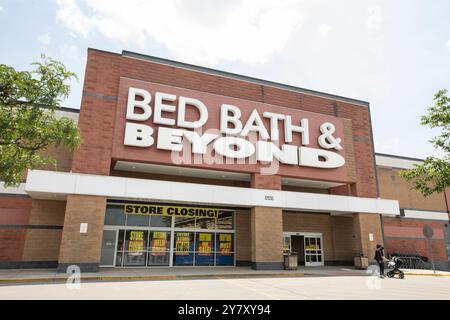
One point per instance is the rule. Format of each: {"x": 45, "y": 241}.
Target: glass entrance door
{"x": 108, "y": 248}
{"x": 313, "y": 250}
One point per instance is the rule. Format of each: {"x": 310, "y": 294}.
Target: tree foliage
{"x": 28, "y": 121}
{"x": 433, "y": 176}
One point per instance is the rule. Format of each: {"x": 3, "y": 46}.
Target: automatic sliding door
{"x": 313, "y": 251}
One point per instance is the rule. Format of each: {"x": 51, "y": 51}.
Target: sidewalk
{"x": 15, "y": 276}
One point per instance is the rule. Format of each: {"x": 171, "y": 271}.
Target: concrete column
{"x": 82, "y": 249}
{"x": 363, "y": 225}
{"x": 266, "y": 238}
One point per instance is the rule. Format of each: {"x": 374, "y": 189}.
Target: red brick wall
{"x": 259, "y": 181}
{"x": 13, "y": 211}
{"x": 366, "y": 185}
{"x": 11, "y": 244}
{"x": 405, "y": 236}
{"x": 101, "y": 88}
{"x": 97, "y": 113}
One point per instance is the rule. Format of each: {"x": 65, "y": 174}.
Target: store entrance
{"x": 308, "y": 247}
{"x": 298, "y": 246}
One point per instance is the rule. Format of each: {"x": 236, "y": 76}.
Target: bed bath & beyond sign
{"x": 229, "y": 140}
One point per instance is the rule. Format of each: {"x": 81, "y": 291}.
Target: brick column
{"x": 266, "y": 225}
{"x": 267, "y": 238}
{"x": 363, "y": 224}
{"x": 84, "y": 249}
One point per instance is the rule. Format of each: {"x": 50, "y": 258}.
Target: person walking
{"x": 379, "y": 257}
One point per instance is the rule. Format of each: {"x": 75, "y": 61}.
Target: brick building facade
{"x": 321, "y": 200}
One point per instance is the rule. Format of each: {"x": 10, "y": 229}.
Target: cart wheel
{"x": 390, "y": 274}
{"x": 401, "y": 276}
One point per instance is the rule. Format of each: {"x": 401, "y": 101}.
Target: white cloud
{"x": 70, "y": 14}
{"x": 70, "y": 52}
{"x": 1, "y": 8}
{"x": 324, "y": 30}
{"x": 374, "y": 18}
{"x": 388, "y": 146}
{"x": 448, "y": 44}
{"x": 196, "y": 31}
{"x": 45, "y": 38}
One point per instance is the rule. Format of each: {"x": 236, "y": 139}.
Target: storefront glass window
{"x": 286, "y": 244}
{"x": 206, "y": 223}
{"x": 182, "y": 222}
{"x": 225, "y": 221}
{"x": 146, "y": 240}
{"x": 159, "y": 248}
{"x": 183, "y": 249}
{"x": 224, "y": 249}
{"x": 114, "y": 215}
{"x": 135, "y": 248}
{"x": 137, "y": 220}
{"x": 204, "y": 249}
{"x": 160, "y": 221}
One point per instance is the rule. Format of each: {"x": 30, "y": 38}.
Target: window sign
{"x": 136, "y": 243}
{"x": 184, "y": 249}
{"x": 135, "y": 248}
{"x": 158, "y": 246}
{"x": 225, "y": 249}
{"x": 159, "y": 252}
{"x": 225, "y": 244}
{"x": 182, "y": 243}
{"x": 204, "y": 244}
{"x": 170, "y": 211}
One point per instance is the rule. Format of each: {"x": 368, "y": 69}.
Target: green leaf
{"x": 433, "y": 176}
{"x": 28, "y": 122}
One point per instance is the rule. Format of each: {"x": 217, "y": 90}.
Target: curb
{"x": 147, "y": 278}
{"x": 429, "y": 274}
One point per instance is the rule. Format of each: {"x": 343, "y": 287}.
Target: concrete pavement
{"x": 27, "y": 276}
{"x": 272, "y": 288}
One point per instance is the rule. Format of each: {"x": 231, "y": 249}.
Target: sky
{"x": 393, "y": 54}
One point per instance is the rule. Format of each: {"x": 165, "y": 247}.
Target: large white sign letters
{"x": 230, "y": 140}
